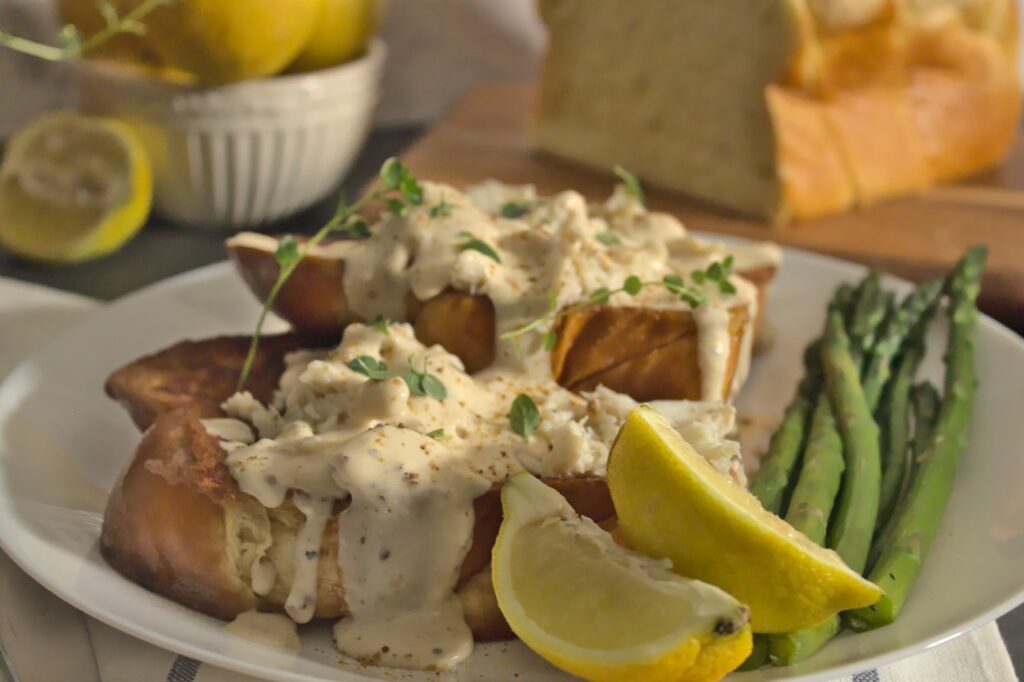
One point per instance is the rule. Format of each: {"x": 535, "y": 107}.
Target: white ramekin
{"x": 247, "y": 153}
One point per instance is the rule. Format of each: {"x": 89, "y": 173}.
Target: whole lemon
{"x": 341, "y": 31}
{"x": 220, "y": 41}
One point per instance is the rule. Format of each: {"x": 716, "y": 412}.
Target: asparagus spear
{"x": 850, "y": 534}
{"x": 793, "y": 647}
{"x": 809, "y": 509}
{"x": 919, "y": 514}
{"x": 919, "y": 303}
{"x": 776, "y": 474}
{"x": 773, "y": 479}
{"x": 896, "y": 462}
{"x": 758, "y": 654}
{"x": 925, "y": 401}
{"x": 869, "y": 311}
{"x": 815, "y": 491}
{"x": 822, "y": 472}
{"x": 811, "y": 502}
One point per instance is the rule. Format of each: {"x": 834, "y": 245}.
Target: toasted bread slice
{"x": 178, "y": 524}
{"x": 603, "y": 345}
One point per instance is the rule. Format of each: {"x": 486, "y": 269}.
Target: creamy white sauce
{"x": 560, "y": 244}
{"x": 333, "y": 435}
{"x": 267, "y": 628}
{"x": 301, "y": 602}
{"x": 404, "y": 546}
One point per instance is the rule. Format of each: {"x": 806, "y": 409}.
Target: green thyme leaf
{"x": 632, "y": 185}
{"x": 357, "y": 227}
{"x": 434, "y": 387}
{"x": 673, "y": 282}
{"x": 391, "y": 173}
{"x": 108, "y": 12}
{"x": 441, "y": 209}
{"x": 552, "y": 300}
{"x": 423, "y": 383}
{"x": 600, "y": 296}
{"x": 374, "y": 369}
{"x": 395, "y": 206}
{"x": 380, "y": 323}
{"x": 70, "y": 40}
{"x": 514, "y": 209}
{"x": 632, "y": 285}
{"x": 550, "y": 339}
{"x": 287, "y": 251}
{"x": 692, "y": 298}
{"x": 437, "y": 434}
{"x": 719, "y": 273}
{"x": 607, "y": 238}
{"x": 524, "y": 416}
{"x": 474, "y": 244}
{"x": 411, "y": 189}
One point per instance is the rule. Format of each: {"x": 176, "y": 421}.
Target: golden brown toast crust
{"x": 199, "y": 375}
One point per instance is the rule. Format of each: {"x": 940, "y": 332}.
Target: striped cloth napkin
{"x": 42, "y": 639}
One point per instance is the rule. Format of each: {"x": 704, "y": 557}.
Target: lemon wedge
{"x": 600, "y": 611}
{"x": 73, "y": 188}
{"x": 671, "y": 503}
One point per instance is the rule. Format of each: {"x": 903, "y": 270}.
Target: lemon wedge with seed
{"x": 600, "y": 611}
{"x": 671, "y": 503}
{"x": 73, "y": 188}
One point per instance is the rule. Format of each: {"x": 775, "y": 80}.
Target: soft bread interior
{"x": 596, "y": 107}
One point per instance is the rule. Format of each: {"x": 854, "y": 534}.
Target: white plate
{"x": 62, "y": 444}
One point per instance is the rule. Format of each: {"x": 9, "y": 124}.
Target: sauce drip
{"x": 403, "y": 610}
{"x": 268, "y": 628}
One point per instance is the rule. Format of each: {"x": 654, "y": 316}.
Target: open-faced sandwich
{"x": 449, "y": 445}
{"x": 481, "y": 334}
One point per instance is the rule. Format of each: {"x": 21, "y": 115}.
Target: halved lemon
{"x": 72, "y": 188}
{"x": 600, "y": 611}
{"x": 671, "y": 503}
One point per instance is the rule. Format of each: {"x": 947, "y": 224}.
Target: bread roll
{"x": 177, "y": 524}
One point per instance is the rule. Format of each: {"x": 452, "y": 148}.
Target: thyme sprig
{"x": 73, "y": 45}
{"x": 694, "y": 295}
{"x": 398, "y": 186}
{"x": 420, "y": 382}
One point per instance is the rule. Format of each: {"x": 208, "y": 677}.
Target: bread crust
{"x": 164, "y": 525}
{"x": 200, "y": 375}
{"x": 648, "y": 354}
{"x": 177, "y": 523}
{"x": 911, "y": 93}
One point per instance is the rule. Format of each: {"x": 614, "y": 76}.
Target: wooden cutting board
{"x": 486, "y": 136}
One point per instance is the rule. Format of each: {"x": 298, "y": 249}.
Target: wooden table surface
{"x": 486, "y": 136}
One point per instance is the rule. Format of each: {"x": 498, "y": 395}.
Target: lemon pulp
{"x": 73, "y": 188}
{"x": 600, "y": 611}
